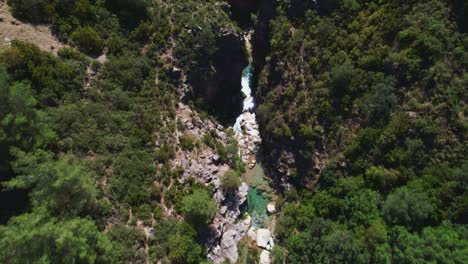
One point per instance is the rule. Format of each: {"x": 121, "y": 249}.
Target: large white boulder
{"x": 229, "y": 245}
{"x": 263, "y": 237}
{"x": 265, "y": 257}
{"x": 271, "y": 208}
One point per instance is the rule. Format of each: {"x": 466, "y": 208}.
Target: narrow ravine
{"x": 244, "y": 223}
{"x": 261, "y": 209}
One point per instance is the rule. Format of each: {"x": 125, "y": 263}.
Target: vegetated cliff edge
{"x": 362, "y": 112}
{"x": 312, "y": 93}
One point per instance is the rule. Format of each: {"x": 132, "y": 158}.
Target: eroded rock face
{"x": 205, "y": 166}
{"x": 261, "y": 39}
{"x": 298, "y": 8}
{"x": 219, "y": 84}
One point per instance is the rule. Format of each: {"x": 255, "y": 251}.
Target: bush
{"x": 230, "y": 181}
{"x": 407, "y": 207}
{"x": 125, "y": 242}
{"x": 87, "y": 40}
{"x": 198, "y": 208}
{"x": 35, "y": 11}
{"x": 186, "y": 142}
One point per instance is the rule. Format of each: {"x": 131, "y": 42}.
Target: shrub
{"x": 407, "y": 207}
{"x": 186, "y": 142}
{"x": 198, "y": 208}
{"x": 87, "y": 40}
{"x": 230, "y": 181}
{"x": 35, "y": 11}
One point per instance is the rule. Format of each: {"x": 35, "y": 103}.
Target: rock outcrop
{"x": 249, "y": 140}
{"x": 264, "y": 239}
{"x": 261, "y": 36}
{"x": 219, "y": 83}
{"x": 204, "y": 165}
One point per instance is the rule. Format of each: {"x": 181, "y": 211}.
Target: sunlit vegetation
{"x": 377, "y": 92}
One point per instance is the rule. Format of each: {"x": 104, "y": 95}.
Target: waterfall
{"x": 249, "y": 102}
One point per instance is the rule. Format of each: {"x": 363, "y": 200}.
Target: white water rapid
{"x": 246, "y": 127}
{"x": 249, "y": 102}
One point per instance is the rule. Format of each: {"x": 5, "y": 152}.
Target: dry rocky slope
{"x": 13, "y": 29}
{"x": 205, "y": 166}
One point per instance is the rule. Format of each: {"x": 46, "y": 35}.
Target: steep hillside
{"x": 113, "y": 148}
{"x": 363, "y": 119}
{"x": 13, "y": 29}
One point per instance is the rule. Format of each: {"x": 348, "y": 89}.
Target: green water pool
{"x": 257, "y": 197}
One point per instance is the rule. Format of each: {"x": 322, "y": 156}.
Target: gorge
{"x": 233, "y": 131}
{"x": 255, "y": 228}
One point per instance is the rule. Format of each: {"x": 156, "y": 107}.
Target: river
{"x": 247, "y": 133}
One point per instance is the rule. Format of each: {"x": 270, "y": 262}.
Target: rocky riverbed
{"x": 245, "y": 214}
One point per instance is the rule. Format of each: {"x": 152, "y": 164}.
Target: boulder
{"x": 270, "y": 244}
{"x": 229, "y": 245}
{"x": 271, "y": 208}
{"x": 242, "y": 193}
{"x": 223, "y": 210}
{"x": 265, "y": 257}
{"x": 263, "y": 238}
{"x": 215, "y": 159}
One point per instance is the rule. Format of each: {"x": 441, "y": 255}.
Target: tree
{"x": 323, "y": 243}
{"x": 130, "y": 12}
{"x": 133, "y": 177}
{"x": 175, "y": 241}
{"x": 125, "y": 72}
{"x": 382, "y": 102}
{"x": 198, "y": 208}
{"x": 230, "y": 181}
{"x": 341, "y": 77}
{"x": 407, "y": 207}
{"x": 362, "y": 207}
{"x": 50, "y": 77}
{"x": 21, "y": 124}
{"x": 126, "y": 240}
{"x": 381, "y": 178}
{"x": 443, "y": 244}
{"x": 35, "y": 238}
{"x": 184, "y": 249}
{"x": 61, "y": 187}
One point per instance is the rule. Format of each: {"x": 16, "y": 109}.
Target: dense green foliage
{"x": 31, "y": 238}
{"x": 89, "y": 142}
{"x": 230, "y": 181}
{"x": 198, "y": 208}
{"x": 365, "y": 101}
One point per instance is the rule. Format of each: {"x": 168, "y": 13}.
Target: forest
{"x": 361, "y": 108}
{"x": 365, "y": 101}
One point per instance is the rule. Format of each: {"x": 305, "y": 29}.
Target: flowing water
{"x": 257, "y": 196}
{"x": 249, "y": 102}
